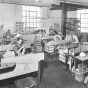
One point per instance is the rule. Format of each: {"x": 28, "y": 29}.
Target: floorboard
{"x": 55, "y": 76}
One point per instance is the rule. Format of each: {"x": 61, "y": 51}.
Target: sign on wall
{"x": 57, "y": 27}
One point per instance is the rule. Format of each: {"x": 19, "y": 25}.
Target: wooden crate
{"x": 62, "y": 55}
{"x": 49, "y": 48}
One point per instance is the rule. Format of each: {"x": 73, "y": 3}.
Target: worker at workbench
{"x": 8, "y": 34}
{"x": 58, "y": 36}
{"x": 19, "y": 49}
{"x": 71, "y": 37}
{"x": 74, "y": 38}
{"x": 7, "y": 37}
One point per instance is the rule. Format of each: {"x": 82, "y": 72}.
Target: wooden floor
{"x": 55, "y": 76}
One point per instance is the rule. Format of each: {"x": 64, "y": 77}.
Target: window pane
{"x": 38, "y": 20}
{"x": 86, "y": 15}
{"x": 34, "y": 9}
{"x": 27, "y": 13}
{"x": 78, "y": 15}
{"x": 31, "y": 8}
{"x": 35, "y": 24}
{"x": 38, "y": 8}
{"x": 82, "y": 11}
{"x": 27, "y": 19}
{"x": 35, "y": 20}
{"x": 82, "y": 29}
{"x": 23, "y": 7}
{"x": 23, "y": 13}
{"x": 27, "y": 8}
{"x": 34, "y": 14}
{"x": 24, "y": 25}
{"x": 31, "y": 20}
{"x": 85, "y": 29}
{"x": 38, "y": 24}
{"x": 23, "y": 20}
{"x": 85, "y": 20}
{"x": 86, "y": 25}
{"x": 86, "y": 10}
{"x": 27, "y": 25}
{"x": 82, "y": 20}
{"x": 82, "y": 25}
{"x": 78, "y": 11}
{"x": 38, "y": 14}
{"x": 31, "y": 14}
{"x": 31, "y": 24}
{"x": 82, "y": 16}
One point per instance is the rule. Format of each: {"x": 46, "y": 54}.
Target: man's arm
{"x": 76, "y": 39}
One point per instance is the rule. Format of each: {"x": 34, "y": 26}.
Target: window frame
{"x": 32, "y": 23}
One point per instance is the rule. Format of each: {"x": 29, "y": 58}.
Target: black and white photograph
{"x": 43, "y": 43}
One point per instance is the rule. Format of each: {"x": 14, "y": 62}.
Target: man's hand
{"x": 22, "y": 47}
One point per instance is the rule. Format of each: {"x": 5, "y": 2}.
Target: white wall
{"x": 54, "y": 16}
{"x": 51, "y": 17}
{"x": 9, "y": 14}
{"x": 72, "y": 14}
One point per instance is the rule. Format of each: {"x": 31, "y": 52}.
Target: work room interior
{"x": 48, "y": 56}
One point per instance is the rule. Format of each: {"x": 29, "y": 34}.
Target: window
{"x": 31, "y": 17}
{"x": 82, "y": 15}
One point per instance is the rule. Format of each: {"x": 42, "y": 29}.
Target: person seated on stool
{"x": 19, "y": 49}
{"x": 71, "y": 37}
{"x": 74, "y": 38}
{"x": 8, "y": 34}
{"x": 7, "y": 37}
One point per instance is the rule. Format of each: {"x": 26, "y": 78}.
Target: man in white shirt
{"x": 58, "y": 36}
{"x": 71, "y": 37}
{"x": 68, "y": 37}
{"x": 74, "y": 38}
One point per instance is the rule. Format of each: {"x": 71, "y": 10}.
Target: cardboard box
{"x": 38, "y": 49}
{"x": 27, "y": 82}
{"x": 79, "y": 76}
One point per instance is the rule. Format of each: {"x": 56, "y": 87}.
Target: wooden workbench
{"x": 24, "y": 65}
{"x": 10, "y": 47}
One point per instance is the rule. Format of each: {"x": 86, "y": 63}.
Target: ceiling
{"x": 71, "y": 5}
{"x": 29, "y": 2}
{"x": 44, "y": 2}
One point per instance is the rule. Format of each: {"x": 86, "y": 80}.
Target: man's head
{"x": 72, "y": 32}
{"x": 8, "y": 31}
{"x": 20, "y": 41}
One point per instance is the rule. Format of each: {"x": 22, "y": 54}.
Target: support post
{"x": 63, "y": 19}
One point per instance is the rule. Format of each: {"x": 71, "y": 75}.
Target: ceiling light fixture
{"x": 38, "y": 0}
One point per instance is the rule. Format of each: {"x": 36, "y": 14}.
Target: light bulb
{"x": 38, "y": 0}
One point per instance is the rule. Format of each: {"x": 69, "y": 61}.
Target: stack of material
{"x": 62, "y": 54}
{"x": 38, "y": 45}
{"x": 79, "y": 76}
{"x": 27, "y": 82}
{"x": 49, "y": 48}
